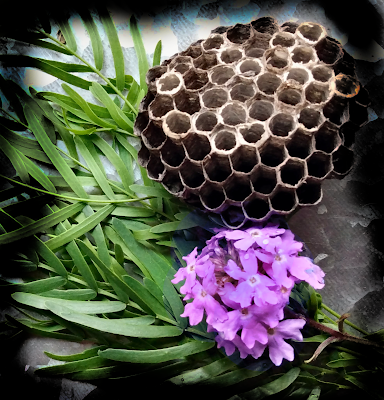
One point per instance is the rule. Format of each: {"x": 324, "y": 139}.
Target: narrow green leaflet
{"x": 15, "y": 159}
{"x": 85, "y": 107}
{"x": 92, "y": 352}
{"x": 42, "y": 332}
{"x": 82, "y": 265}
{"x": 315, "y": 393}
{"x": 42, "y": 285}
{"x": 42, "y": 224}
{"x": 48, "y": 255}
{"x": 37, "y": 174}
{"x": 151, "y": 191}
{"x": 135, "y": 327}
{"x": 52, "y": 70}
{"x": 174, "y": 300}
{"x": 116, "y": 113}
{"x": 101, "y": 244}
{"x": 79, "y": 229}
{"x": 53, "y": 154}
{"x": 70, "y": 294}
{"x": 117, "y": 52}
{"x": 273, "y": 387}
{"x": 97, "y": 46}
{"x": 231, "y": 378}
{"x": 144, "y": 258}
{"x": 144, "y": 298}
{"x": 157, "y": 54}
{"x": 9, "y": 93}
{"x": 85, "y": 307}
{"x": 203, "y": 373}
{"x": 87, "y": 149}
{"x": 157, "y": 356}
{"x": 140, "y": 51}
{"x": 68, "y": 35}
{"x": 113, "y": 157}
{"x": 74, "y": 366}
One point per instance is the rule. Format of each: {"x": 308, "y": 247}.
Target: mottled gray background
{"x": 345, "y": 232}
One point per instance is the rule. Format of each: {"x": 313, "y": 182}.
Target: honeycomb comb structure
{"x": 248, "y": 122}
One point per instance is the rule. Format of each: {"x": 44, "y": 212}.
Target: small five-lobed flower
{"x": 243, "y": 285}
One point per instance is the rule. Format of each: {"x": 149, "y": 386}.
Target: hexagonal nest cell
{"x": 250, "y": 120}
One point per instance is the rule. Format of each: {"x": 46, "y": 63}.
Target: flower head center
{"x": 254, "y": 280}
{"x": 271, "y": 331}
{"x": 244, "y": 311}
{"x": 283, "y": 290}
{"x": 256, "y": 233}
{"x": 203, "y": 293}
{"x": 277, "y": 257}
{"x": 191, "y": 268}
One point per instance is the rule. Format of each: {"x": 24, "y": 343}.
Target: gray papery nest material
{"x": 248, "y": 122}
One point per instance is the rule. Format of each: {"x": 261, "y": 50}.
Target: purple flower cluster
{"x": 242, "y": 280}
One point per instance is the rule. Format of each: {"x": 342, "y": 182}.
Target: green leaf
{"x": 68, "y": 35}
{"x": 42, "y": 332}
{"x": 35, "y": 39}
{"x": 273, "y": 387}
{"x": 97, "y": 45}
{"x": 116, "y": 113}
{"x": 232, "y": 378}
{"x": 86, "y": 108}
{"x": 117, "y": 52}
{"x": 9, "y": 93}
{"x": 70, "y": 294}
{"x": 173, "y": 226}
{"x": 37, "y": 174}
{"x": 42, "y": 285}
{"x": 157, "y": 54}
{"x": 134, "y": 327}
{"x": 315, "y": 393}
{"x": 92, "y": 352}
{"x": 140, "y": 51}
{"x": 53, "y": 154}
{"x": 89, "y": 153}
{"x": 85, "y": 307}
{"x": 146, "y": 260}
{"x": 174, "y": 300}
{"x": 156, "y": 356}
{"x": 343, "y": 363}
{"x": 141, "y": 295}
{"x": 49, "y": 69}
{"x": 151, "y": 191}
{"x": 132, "y": 212}
{"x": 79, "y": 229}
{"x": 119, "y": 254}
{"x": 15, "y": 159}
{"x": 74, "y": 366}
{"x": 47, "y": 254}
{"x": 201, "y": 374}
{"x": 82, "y": 265}
{"x": 41, "y": 225}
{"x": 113, "y": 157}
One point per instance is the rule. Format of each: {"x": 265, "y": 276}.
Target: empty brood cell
{"x": 264, "y": 180}
{"x": 244, "y": 159}
{"x": 252, "y": 133}
{"x": 293, "y": 172}
{"x": 197, "y": 146}
{"x": 272, "y": 153}
{"x": 217, "y": 167}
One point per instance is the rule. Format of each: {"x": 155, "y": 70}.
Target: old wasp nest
{"x": 248, "y": 122}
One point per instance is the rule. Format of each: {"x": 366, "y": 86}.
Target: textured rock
{"x": 248, "y": 122}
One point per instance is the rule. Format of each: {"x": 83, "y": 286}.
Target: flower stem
{"x": 335, "y": 314}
